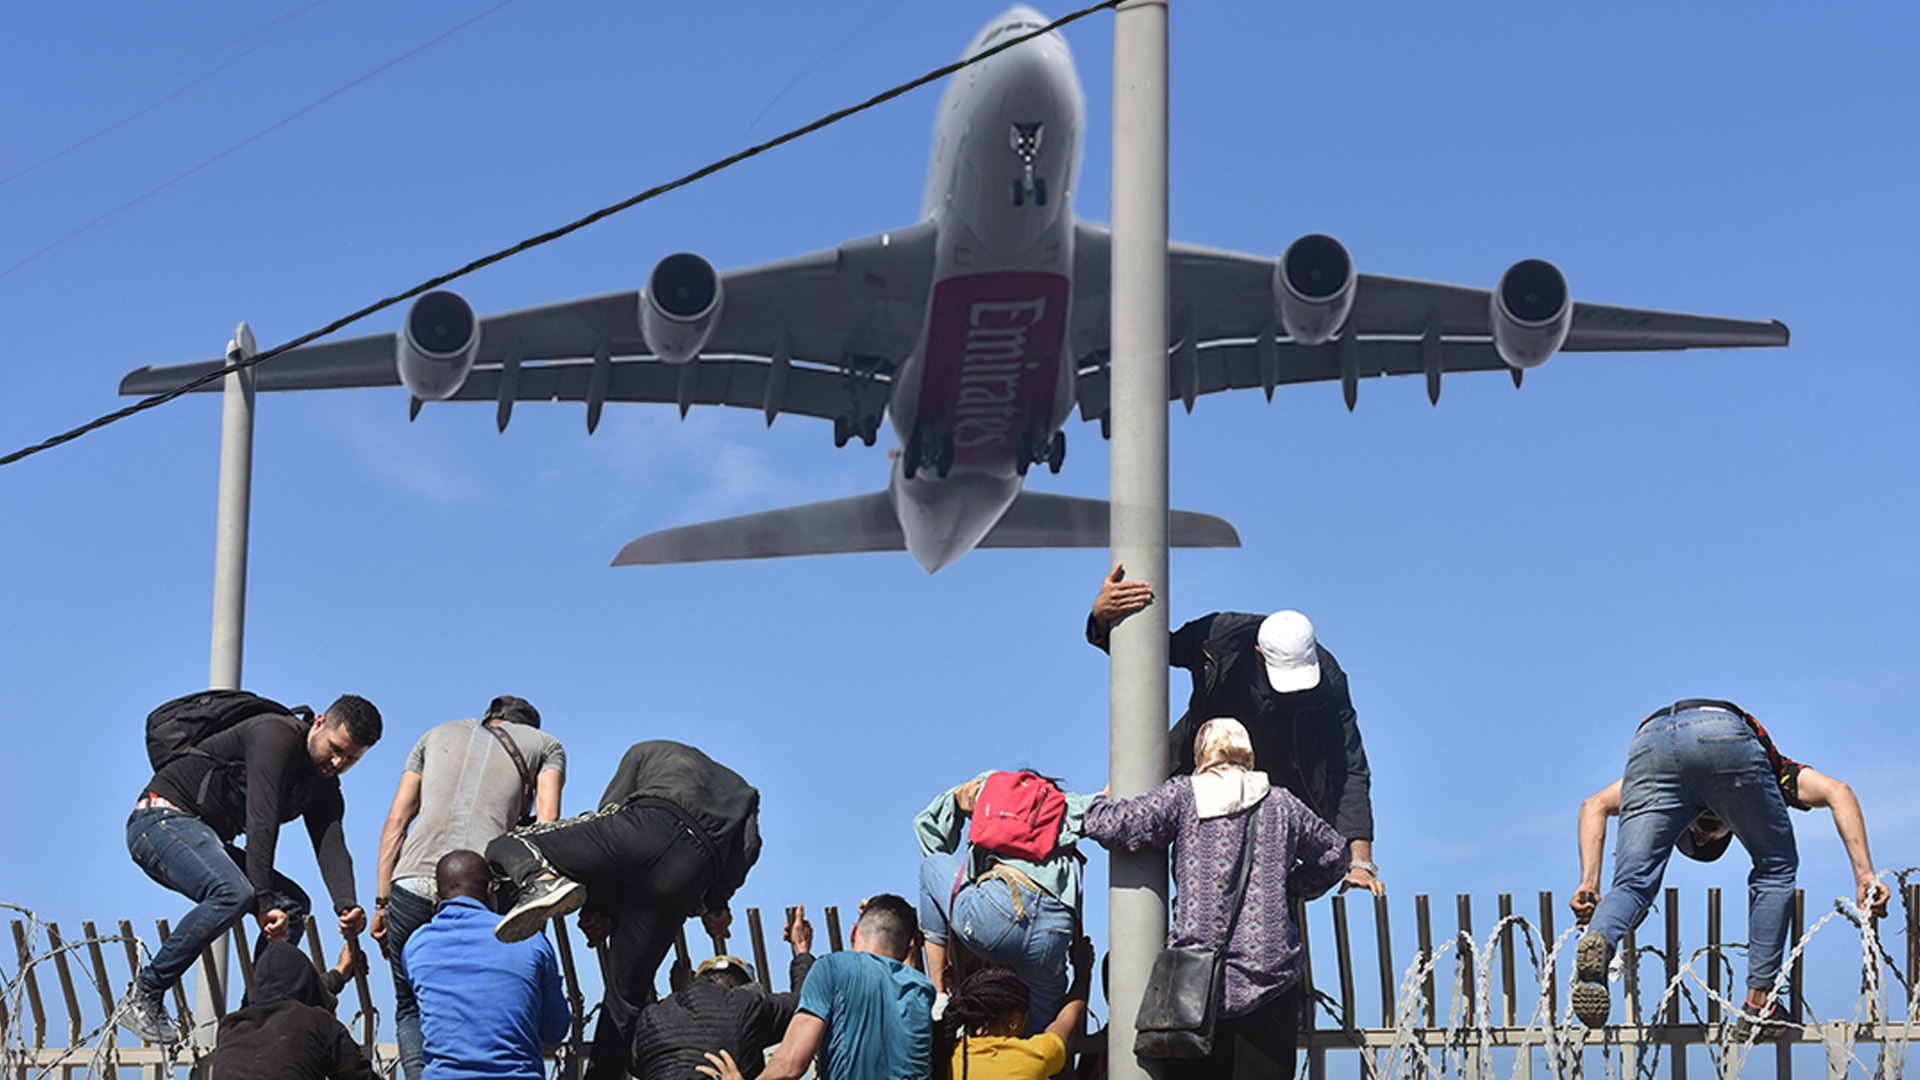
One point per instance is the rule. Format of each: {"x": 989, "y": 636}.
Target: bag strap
{"x": 519, "y": 763}
{"x": 1240, "y": 885}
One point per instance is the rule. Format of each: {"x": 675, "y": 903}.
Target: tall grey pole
{"x": 229, "y": 599}
{"x": 1137, "y": 900}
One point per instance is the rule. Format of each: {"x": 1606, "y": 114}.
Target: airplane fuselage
{"x": 990, "y": 383}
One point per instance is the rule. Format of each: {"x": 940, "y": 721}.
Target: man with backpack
{"x": 228, "y": 763}
{"x": 465, "y": 782}
{"x": 1015, "y": 899}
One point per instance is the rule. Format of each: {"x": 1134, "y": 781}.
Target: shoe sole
{"x": 1591, "y": 999}
{"x": 525, "y": 920}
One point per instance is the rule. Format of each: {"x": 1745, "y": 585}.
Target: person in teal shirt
{"x": 871, "y": 1012}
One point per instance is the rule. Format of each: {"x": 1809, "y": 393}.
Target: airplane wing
{"x": 819, "y": 335}
{"x": 1225, "y": 334}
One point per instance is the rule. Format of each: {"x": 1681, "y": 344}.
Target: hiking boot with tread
{"x": 1590, "y": 996}
{"x": 538, "y": 902}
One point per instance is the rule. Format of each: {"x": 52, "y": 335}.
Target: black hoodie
{"x": 286, "y": 1030}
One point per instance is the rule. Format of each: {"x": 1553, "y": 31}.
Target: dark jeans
{"x": 643, "y": 867}
{"x": 1257, "y": 1046}
{"x": 406, "y": 912}
{"x": 183, "y": 853}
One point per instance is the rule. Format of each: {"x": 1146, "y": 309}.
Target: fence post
{"x": 1423, "y": 926}
{"x": 1344, "y": 956}
{"x": 1673, "y": 972}
{"x": 101, "y": 980}
{"x": 33, "y": 987}
{"x": 833, "y": 928}
{"x": 759, "y": 948}
{"x": 1713, "y": 956}
{"x": 1783, "y": 1051}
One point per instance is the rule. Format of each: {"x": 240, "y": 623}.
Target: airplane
{"x": 974, "y": 332}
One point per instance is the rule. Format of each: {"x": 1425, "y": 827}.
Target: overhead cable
{"x": 529, "y": 244}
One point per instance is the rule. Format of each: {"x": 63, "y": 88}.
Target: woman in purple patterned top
{"x": 1203, "y": 818}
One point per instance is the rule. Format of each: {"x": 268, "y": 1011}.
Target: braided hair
{"x": 992, "y": 993}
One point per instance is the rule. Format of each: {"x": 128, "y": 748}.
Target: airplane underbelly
{"x": 991, "y": 371}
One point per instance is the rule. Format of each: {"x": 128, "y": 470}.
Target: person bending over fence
{"x": 1014, "y": 899}
{"x": 1701, "y": 772}
{"x": 675, "y": 835}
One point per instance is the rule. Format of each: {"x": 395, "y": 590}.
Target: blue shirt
{"x": 878, "y": 1013}
{"x": 485, "y": 1006}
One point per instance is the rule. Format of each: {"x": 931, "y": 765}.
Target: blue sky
{"x": 1511, "y": 579}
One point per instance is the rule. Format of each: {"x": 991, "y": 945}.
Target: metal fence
{"x": 1455, "y": 1004}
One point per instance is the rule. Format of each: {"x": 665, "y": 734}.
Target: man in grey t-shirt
{"x": 462, "y": 787}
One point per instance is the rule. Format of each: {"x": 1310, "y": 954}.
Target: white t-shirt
{"x": 470, "y": 791}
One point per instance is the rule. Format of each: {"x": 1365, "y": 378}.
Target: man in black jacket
{"x": 249, "y": 779}
{"x": 720, "y": 1008}
{"x": 286, "y": 1029}
{"x": 1271, "y": 674}
{"x": 674, "y": 836}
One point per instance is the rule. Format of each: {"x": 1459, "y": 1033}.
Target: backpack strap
{"x": 519, "y": 764}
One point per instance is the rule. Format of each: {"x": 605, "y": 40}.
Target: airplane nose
{"x": 942, "y": 520}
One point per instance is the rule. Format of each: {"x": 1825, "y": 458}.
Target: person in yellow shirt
{"x": 979, "y": 1036}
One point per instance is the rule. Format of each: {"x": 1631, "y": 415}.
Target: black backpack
{"x": 176, "y": 728}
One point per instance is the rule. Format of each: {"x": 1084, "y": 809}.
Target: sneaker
{"x": 144, "y": 1012}
{"x": 538, "y": 902}
{"x": 1754, "y": 1024}
{"x": 1591, "y": 999}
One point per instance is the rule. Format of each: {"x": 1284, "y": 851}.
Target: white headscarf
{"x": 1224, "y": 781}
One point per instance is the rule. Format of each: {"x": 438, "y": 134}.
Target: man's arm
{"x": 555, "y": 1018}
{"x": 1594, "y": 813}
{"x": 1820, "y": 790}
{"x": 271, "y": 748}
{"x": 804, "y": 1035}
{"x": 1066, "y": 1023}
{"x": 1355, "y": 813}
{"x": 325, "y": 815}
{"x": 406, "y": 807}
{"x": 546, "y": 795}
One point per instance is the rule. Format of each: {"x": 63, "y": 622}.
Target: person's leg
{"x": 184, "y": 854}
{"x": 1261, "y": 1044}
{"x": 293, "y": 899}
{"x": 643, "y": 930}
{"x": 407, "y": 911}
{"x": 937, "y": 876}
{"x": 1740, "y": 788}
{"x": 1656, "y": 806}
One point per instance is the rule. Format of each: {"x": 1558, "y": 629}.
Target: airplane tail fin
{"x": 867, "y": 523}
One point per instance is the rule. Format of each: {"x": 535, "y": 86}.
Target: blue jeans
{"x": 1680, "y": 767}
{"x": 406, "y": 912}
{"x": 183, "y": 853}
{"x": 1033, "y": 944}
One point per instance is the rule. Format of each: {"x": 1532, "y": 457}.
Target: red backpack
{"x": 1018, "y": 814}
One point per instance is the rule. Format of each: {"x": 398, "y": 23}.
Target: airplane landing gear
{"x": 911, "y": 459}
{"x": 1023, "y": 453}
{"x": 1057, "y": 452}
{"x": 869, "y": 429}
{"x": 943, "y": 459}
{"x": 842, "y": 431}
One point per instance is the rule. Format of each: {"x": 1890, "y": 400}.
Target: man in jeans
{"x": 674, "y": 836}
{"x": 1701, "y": 772}
{"x": 251, "y": 778}
{"x": 465, "y": 783}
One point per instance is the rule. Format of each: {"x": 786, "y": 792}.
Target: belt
{"x": 1015, "y": 880}
{"x": 150, "y": 801}
{"x": 1698, "y": 703}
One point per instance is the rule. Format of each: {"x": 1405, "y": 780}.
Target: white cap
{"x": 1292, "y": 656}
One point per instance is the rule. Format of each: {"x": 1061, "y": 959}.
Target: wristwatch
{"x": 1362, "y": 864}
{"x": 380, "y": 902}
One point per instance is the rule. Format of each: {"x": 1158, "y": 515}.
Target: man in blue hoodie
{"x": 486, "y": 1007}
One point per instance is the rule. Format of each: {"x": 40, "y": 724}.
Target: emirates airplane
{"x": 974, "y": 332}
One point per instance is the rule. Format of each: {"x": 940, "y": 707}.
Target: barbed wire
{"x": 156, "y": 400}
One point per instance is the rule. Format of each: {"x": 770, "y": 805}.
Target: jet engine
{"x": 680, "y": 307}
{"x": 437, "y": 346}
{"x": 1531, "y": 313}
{"x": 1313, "y": 288}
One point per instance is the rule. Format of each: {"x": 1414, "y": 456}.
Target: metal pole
{"x": 1137, "y": 900}
{"x": 229, "y": 601}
